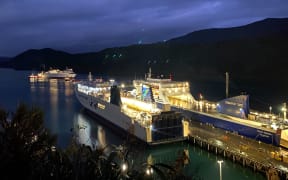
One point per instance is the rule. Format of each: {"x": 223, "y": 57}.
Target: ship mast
{"x": 90, "y": 77}
{"x": 227, "y": 84}
{"x": 284, "y": 109}
{"x": 150, "y": 73}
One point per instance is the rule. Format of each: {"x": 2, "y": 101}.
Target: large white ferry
{"x": 68, "y": 74}
{"x": 57, "y": 73}
{"x": 232, "y": 114}
{"x": 134, "y": 112}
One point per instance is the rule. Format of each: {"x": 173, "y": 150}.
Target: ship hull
{"x": 60, "y": 75}
{"x": 258, "y": 134}
{"x": 111, "y": 115}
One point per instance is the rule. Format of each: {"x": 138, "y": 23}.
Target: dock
{"x": 264, "y": 158}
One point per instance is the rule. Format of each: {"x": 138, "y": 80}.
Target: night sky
{"x": 91, "y": 25}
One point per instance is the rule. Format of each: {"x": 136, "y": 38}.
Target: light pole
{"x": 284, "y": 111}
{"x": 270, "y": 108}
{"x": 220, "y": 168}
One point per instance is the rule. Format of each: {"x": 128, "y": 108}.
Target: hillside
{"x": 252, "y": 53}
{"x": 257, "y": 29}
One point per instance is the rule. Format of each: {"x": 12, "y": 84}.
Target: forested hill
{"x": 256, "y": 51}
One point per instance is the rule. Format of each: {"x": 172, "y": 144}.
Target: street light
{"x": 270, "y": 108}
{"x": 220, "y": 168}
{"x": 149, "y": 171}
{"x": 124, "y": 167}
{"x": 284, "y": 111}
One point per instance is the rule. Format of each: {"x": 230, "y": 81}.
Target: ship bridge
{"x": 165, "y": 92}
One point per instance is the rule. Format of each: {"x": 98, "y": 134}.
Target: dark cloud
{"x": 91, "y": 25}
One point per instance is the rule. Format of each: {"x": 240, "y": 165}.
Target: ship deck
{"x": 182, "y": 103}
{"x": 255, "y": 124}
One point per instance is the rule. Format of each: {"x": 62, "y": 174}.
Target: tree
{"x": 25, "y": 142}
{"x": 28, "y": 150}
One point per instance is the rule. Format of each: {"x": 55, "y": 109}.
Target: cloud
{"x": 90, "y": 25}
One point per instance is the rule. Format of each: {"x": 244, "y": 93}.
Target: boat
{"x": 232, "y": 114}
{"x": 131, "y": 112}
{"x": 36, "y": 77}
{"x": 33, "y": 77}
{"x": 68, "y": 73}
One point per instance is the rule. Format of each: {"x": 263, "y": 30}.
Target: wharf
{"x": 261, "y": 157}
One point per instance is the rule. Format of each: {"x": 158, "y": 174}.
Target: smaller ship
{"x": 33, "y": 77}
{"x": 68, "y": 73}
{"x": 36, "y": 77}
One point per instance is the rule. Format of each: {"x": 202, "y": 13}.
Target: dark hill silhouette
{"x": 257, "y": 29}
{"x": 4, "y": 59}
{"x": 256, "y": 52}
{"x": 35, "y": 59}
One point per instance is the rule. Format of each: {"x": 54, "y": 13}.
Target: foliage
{"x": 25, "y": 142}
{"x": 28, "y": 150}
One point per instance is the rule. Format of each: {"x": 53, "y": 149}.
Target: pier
{"x": 261, "y": 157}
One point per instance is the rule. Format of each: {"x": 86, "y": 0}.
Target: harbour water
{"x": 64, "y": 114}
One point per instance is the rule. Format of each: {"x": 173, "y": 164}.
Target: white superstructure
{"x": 166, "y": 92}
{"x": 57, "y": 73}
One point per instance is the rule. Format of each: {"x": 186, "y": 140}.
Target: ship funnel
{"x": 115, "y": 97}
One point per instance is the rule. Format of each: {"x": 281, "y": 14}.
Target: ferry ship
{"x": 232, "y": 114}
{"x": 36, "y": 77}
{"x": 56, "y": 73}
{"x": 66, "y": 74}
{"x": 132, "y": 112}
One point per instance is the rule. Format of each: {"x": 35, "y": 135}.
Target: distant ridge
{"x": 251, "y": 52}
{"x": 34, "y": 58}
{"x": 4, "y": 59}
{"x": 257, "y": 29}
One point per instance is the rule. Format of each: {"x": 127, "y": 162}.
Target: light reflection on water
{"x": 85, "y": 133}
{"x": 64, "y": 116}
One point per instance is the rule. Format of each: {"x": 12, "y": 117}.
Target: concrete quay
{"x": 250, "y": 153}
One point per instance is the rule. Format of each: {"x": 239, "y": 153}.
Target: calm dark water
{"x": 64, "y": 114}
